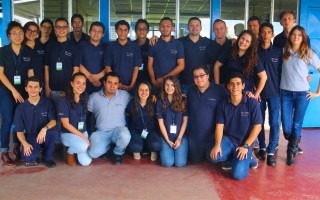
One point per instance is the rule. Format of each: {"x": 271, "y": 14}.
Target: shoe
{"x": 254, "y": 163}
{"x": 290, "y": 159}
{"x": 17, "y": 153}
{"x": 300, "y": 151}
{"x": 256, "y": 145}
{"x": 227, "y": 165}
{"x": 117, "y": 159}
{"x": 7, "y": 161}
{"x": 261, "y": 155}
{"x": 136, "y": 156}
{"x": 154, "y": 156}
{"x": 271, "y": 161}
{"x": 31, "y": 163}
{"x": 49, "y": 163}
{"x": 277, "y": 146}
{"x": 71, "y": 160}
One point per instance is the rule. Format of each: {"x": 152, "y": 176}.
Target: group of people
{"x": 183, "y": 99}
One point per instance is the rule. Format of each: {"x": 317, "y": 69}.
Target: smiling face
{"x": 254, "y": 26}
{"x": 201, "y": 79}
{"x": 244, "y": 42}
{"x": 169, "y": 87}
{"x": 142, "y": 30}
{"x": 296, "y": 38}
{"x": 122, "y": 32}
{"x": 78, "y": 85}
{"x": 194, "y": 27}
{"x": 235, "y": 86}
{"x": 33, "y": 88}
{"x": 16, "y": 35}
{"x": 287, "y": 21}
{"x": 166, "y": 27}
{"x": 31, "y": 32}
{"x": 61, "y": 29}
{"x": 143, "y": 92}
{"x": 219, "y": 29}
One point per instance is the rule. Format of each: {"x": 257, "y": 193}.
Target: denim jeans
{"x": 6, "y": 112}
{"x": 197, "y": 150}
{"x": 274, "y": 122}
{"x": 152, "y": 141}
{"x": 293, "y": 108}
{"x": 49, "y": 143}
{"x": 101, "y": 141}
{"x": 170, "y": 156}
{"x": 240, "y": 168}
{"x": 77, "y": 145}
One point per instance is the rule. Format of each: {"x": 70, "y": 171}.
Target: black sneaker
{"x": 31, "y": 163}
{"x": 261, "y": 155}
{"x": 300, "y": 151}
{"x": 117, "y": 159}
{"x": 271, "y": 161}
{"x": 49, "y": 163}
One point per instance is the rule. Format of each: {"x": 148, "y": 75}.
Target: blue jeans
{"x": 274, "y": 122}
{"x": 101, "y": 141}
{"x": 77, "y": 145}
{"x": 170, "y": 156}
{"x": 49, "y": 143}
{"x": 240, "y": 168}
{"x": 197, "y": 150}
{"x": 293, "y": 108}
{"x": 152, "y": 141}
{"x": 6, "y": 112}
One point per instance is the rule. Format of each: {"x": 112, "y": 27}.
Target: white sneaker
{"x": 154, "y": 156}
{"x": 136, "y": 156}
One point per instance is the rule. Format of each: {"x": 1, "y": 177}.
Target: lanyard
{"x": 173, "y": 114}
{"x": 17, "y": 62}
{"x": 80, "y": 111}
{"x": 142, "y": 118}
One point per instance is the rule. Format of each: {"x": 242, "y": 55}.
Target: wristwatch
{"x": 246, "y": 146}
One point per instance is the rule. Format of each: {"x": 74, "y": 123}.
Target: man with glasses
{"x": 202, "y": 101}
{"x": 77, "y": 35}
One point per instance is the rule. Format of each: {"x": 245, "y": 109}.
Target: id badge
{"x": 59, "y": 66}
{"x": 144, "y": 133}
{"x": 17, "y": 80}
{"x": 80, "y": 126}
{"x": 141, "y": 67}
{"x": 173, "y": 129}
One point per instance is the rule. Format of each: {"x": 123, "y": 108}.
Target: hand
{"x": 171, "y": 144}
{"x": 48, "y": 91}
{"x": 17, "y": 96}
{"x": 27, "y": 149}
{"x": 42, "y": 136}
{"x": 309, "y": 78}
{"x": 215, "y": 151}
{"x": 158, "y": 82}
{"x": 95, "y": 78}
{"x": 154, "y": 99}
{"x": 87, "y": 140}
{"x": 96, "y": 84}
{"x": 311, "y": 95}
{"x": 153, "y": 40}
{"x": 250, "y": 94}
{"x": 177, "y": 143}
{"x": 62, "y": 94}
{"x": 242, "y": 153}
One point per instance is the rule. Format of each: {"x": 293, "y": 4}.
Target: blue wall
{"x": 7, "y": 17}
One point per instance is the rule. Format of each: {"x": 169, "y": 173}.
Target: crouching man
{"x": 34, "y": 122}
{"x": 238, "y": 123}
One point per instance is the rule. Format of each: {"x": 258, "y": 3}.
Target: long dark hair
{"x": 178, "y": 103}
{"x": 26, "y": 27}
{"x": 251, "y": 55}
{"x": 149, "y": 105}
{"x": 52, "y": 34}
{"x": 83, "y": 96}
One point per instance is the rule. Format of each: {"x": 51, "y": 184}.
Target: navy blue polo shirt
{"x": 67, "y": 53}
{"x": 238, "y": 120}
{"x": 38, "y": 60}
{"x": 272, "y": 62}
{"x": 170, "y": 117}
{"x": 123, "y": 59}
{"x": 135, "y": 120}
{"x": 214, "y": 52}
{"x": 195, "y": 55}
{"x": 75, "y": 115}
{"x": 92, "y": 59}
{"x": 16, "y": 65}
{"x": 165, "y": 56}
{"x": 237, "y": 65}
{"x": 31, "y": 118}
{"x": 281, "y": 39}
{"x": 144, "y": 49}
{"x": 202, "y": 108}
{"x": 84, "y": 37}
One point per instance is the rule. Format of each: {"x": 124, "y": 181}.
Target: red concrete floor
{"x": 146, "y": 180}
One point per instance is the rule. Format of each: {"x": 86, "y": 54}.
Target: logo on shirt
{"x": 275, "y": 60}
{"x": 202, "y": 48}
{"x": 101, "y": 52}
{"x": 67, "y": 53}
{"x": 211, "y": 99}
{"x": 40, "y": 52}
{"x": 44, "y": 114}
{"x": 119, "y": 104}
{"x": 26, "y": 59}
{"x": 245, "y": 114}
{"x": 173, "y": 51}
{"x": 129, "y": 54}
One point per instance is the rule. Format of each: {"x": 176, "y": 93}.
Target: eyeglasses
{"x": 142, "y": 29}
{"x": 97, "y": 31}
{"x": 17, "y": 33}
{"x": 199, "y": 76}
{"x": 61, "y": 27}
{"x": 32, "y": 31}
{"x": 47, "y": 27}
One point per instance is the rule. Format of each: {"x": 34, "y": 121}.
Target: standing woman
{"x": 295, "y": 89}
{"x": 46, "y": 33}
{"x": 243, "y": 58}
{"x": 15, "y": 67}
{"x": 72, "y": 110}
{"x": 142, "y": 124}
{"x": 172, "y": 118}
{"x": 31, "y": 32}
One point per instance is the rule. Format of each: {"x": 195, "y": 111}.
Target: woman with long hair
{"x": 46, "y": 33}
{"x": 243, "y": 58}
{"x": 172, "y": 118}
{"x": 15, "y": 67}
{"x": 72, "y": 110}
{"x": 142, "y": 124}
{"x": 295, "y": 89}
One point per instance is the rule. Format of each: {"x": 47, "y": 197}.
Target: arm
{"x": 262, "y": 81}
{"x": 179, "y": 68}
{"x": 177, "y": 143}
{"x": 27, "y": 148}
{"x": 30, "y": 72}
{"x": 46, "y": 81}
{"x": 16, "y": 95}
{"x": 314, "y": 94}
{"x": 218, "y": 138}
{"x": 65, "y": 123}
{"x": 107, "y": 69}
{"x": 133, "y": 79}
{"x": 216, "y": 72}
{"x": 164, "y": 133}
{"x": 43, "y": 132}
{"x": 151, "y": 72}
{"x": 243, "y": 152}
{"x": 75, "y": 69}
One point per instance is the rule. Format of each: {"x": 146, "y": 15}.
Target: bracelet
{"x": 46, "y": 127}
